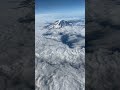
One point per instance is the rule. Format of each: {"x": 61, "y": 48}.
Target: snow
{"x": 60, "y": 55}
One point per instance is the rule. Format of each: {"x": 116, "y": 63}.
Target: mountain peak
{"x": 61, "y": 23}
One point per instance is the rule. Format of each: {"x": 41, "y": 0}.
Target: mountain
{"x": 58, "y": 24}
{"x": 60, "y": 55}
{"x": 62, "y": 23}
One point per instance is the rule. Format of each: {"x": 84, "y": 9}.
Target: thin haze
{"x": 60, "y": 6}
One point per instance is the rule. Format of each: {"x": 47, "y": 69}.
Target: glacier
{"x": 60, "y": 54}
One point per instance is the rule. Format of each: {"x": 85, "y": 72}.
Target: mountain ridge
{"x": 60, "y": 55}
{"x": 63, "y": 23}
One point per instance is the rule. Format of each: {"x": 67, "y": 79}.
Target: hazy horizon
{"x": 66, "y": 7}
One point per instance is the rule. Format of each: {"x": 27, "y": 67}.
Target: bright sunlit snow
{"x": 59, "y": 53}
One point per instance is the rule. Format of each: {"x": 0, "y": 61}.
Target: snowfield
{"x": 60, "y": 55}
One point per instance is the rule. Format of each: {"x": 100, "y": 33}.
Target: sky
{"x": 59, "y": 6}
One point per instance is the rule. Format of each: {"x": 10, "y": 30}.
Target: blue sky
{"x": 59, "y": 6}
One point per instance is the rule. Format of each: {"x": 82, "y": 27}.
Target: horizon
{"x": 67, "y": 7}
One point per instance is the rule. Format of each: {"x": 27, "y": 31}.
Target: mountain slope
{"x": 60, "y": 56}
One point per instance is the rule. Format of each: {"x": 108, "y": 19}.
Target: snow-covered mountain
{"x": 62, "y": 23}
{"x": 60, "y": 55}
